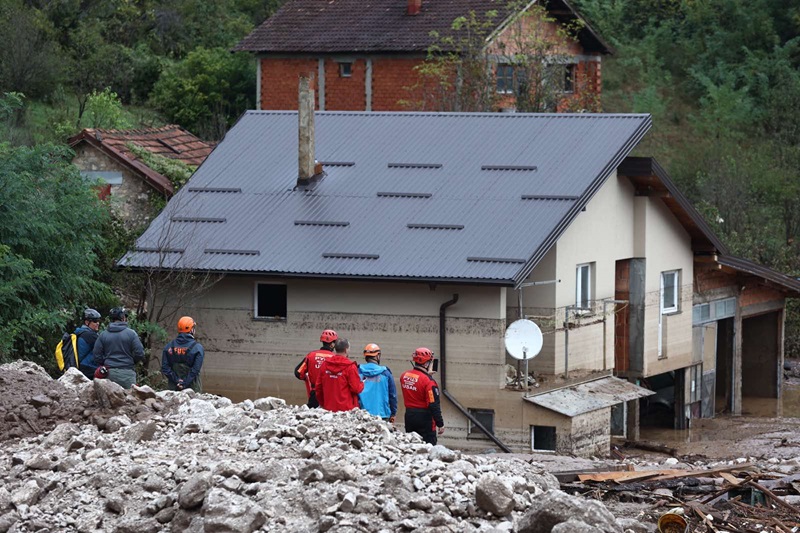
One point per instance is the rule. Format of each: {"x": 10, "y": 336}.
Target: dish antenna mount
{"x": 523, "y": 341}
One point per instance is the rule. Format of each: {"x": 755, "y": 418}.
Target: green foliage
{"x": 207, "y": 91}
{"x": 104, "y": 111}
{"x": 175, "y": 170}
{"x": 50, "y": 224}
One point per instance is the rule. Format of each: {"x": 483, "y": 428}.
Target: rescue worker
{"x": 118, "y": 349}
{"x": 338, "y": 383}
{"x": 308, "y": 369}
{"x": 182, "y": 358}
{"x": 379, "y": 396}
{"x": 87, "y": 336}
{"x": 421, "y": 398}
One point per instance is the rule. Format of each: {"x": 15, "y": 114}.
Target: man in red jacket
{"x": 308, "y": 369}
{"x": 421, "y": 398}
{"x": 338, "y": 383}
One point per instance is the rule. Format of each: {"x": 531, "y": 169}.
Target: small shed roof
{"x": 169, "y": 141}
{"x": 341, "y": 26}
{"x": 476, "y": 198}
{"x": 589, "y": 396}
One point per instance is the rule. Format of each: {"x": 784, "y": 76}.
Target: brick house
{"x": 439, "y": 230}
{"x": 129, "y": 182}
{"x": 362, "y": 56}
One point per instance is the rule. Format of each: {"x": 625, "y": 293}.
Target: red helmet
{"x": 328, "y": 336}
{"x": 422, "y": 356}
{"x": 372, "y": 350}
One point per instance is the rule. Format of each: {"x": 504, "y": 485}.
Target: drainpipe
{"x": 443, "y": 375}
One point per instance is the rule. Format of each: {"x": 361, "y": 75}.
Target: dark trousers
{"x": 420, "y": 421}
{"x": 312, "y": 400}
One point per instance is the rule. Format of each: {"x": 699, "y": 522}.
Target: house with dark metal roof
{"x": 438, "y": 230}
{"x": 364, "y": 56}
{"x": 106, "y": 155}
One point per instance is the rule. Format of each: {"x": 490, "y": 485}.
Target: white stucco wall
{"x": 616, "y": 225}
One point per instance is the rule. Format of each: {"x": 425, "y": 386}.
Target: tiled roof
{"x": 170, "y": 141}
{"x": 340, "y": 26}
{"x": 471, "y": 197}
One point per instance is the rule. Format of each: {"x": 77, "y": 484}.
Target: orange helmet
{"x": 185, "y": 324}
{"x": 372, "y": 350}
{"x": 422, "y": 356}
{"x": 328, "y": 336}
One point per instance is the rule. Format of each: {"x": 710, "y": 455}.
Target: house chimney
{"x": 414, "y": 7}
{"x": 305, "y": 114}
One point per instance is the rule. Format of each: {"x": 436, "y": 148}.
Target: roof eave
{"x": 598, "y": 182}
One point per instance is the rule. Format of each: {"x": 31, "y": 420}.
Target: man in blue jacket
{"x": 379, "y": 396}
{"x": 87, "y": 336}
{"x": 118, "y": 349}
{"x": 182, "y": 358}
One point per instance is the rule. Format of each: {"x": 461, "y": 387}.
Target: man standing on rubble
{"x": 338, "y": 383}
{"x": 421, "y": 398}
{"x": 182, "y": 358}
{"x": 379, "y": 396}
{"x": 118, "y": 349}
{"x": 308, "y": 369}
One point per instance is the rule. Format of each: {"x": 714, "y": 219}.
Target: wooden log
{"x": 650, "y": 447}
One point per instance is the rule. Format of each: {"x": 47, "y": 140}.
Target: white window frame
{"x": 512, "y": 81}
{"x": 579, "y": 296}
{"x": 543, "y": 450}
{"x": 676, "y": 303}
{"x": 345, "y": 71}
{"x": 255, "y": 302}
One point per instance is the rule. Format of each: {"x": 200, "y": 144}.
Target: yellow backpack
{"x": 67, "y": 352}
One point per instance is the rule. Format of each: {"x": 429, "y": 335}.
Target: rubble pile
{"x": 171, "y": 461}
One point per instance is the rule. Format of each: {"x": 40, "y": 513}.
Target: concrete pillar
{"x": 736, "y": 371}
{"x": 368, "y": 85}
{"x": 321, "y": 82}
{"x": 632, "y": 420}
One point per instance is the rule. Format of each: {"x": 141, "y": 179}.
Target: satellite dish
{"x": 523, "y": 339}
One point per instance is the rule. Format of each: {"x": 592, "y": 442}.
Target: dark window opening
{"x": 505, "y": 79}
{"x": 569, "y": 79}
{"x": 345, "y": 70}
{"x": 543, "y": 438}
{"x": 270, "y": 301}
{"x": 486, "y": 418}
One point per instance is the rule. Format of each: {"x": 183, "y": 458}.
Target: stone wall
{"x": 133, "y": 200}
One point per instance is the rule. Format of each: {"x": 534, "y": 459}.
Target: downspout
{"x": 443, "y": 374}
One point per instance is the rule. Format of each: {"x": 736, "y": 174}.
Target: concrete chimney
{"x": 305, "y": 114}
{"x": 414, "y": 7}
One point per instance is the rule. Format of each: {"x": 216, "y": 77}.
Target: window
{"x": 345, "y": 69}
{"x": 486, "y": 418}
{"x": 583, "y": 287}
{"x": 670, "y": 289}
{"x": 569, "y": 78}
{"x": 108, "y": 177}
{"x": 505, "y": 78}
{"x": 270, "y": 301}
{"x": 543, "y": 438}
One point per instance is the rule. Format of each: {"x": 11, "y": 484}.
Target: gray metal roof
{"x": 589, "y": 396}
{"x": 428, "y": 196}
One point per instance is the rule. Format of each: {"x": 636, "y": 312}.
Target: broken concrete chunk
{"x": 494, "y": 495}
{"x": 193, "y": 492}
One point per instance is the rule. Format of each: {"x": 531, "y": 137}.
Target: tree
{"x": 207, "y": 91}
{"x": 475, "y": 67}
{"x": 50, "y": 227}
{"x": 30, "y": 61}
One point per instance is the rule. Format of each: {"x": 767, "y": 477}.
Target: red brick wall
{"x": 757, "y": 294}
{"x": 392, "y": 82}
{"x": 391, "y": 78}
{"x": 345, "y": 94}
{"x": 279, "y": 80}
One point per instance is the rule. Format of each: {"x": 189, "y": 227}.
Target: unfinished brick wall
{"x": 757, "y": 294}
{"x": 279, "y": 81}
{"x": 345, "y": 93}
{"x": 392, "y": 78}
